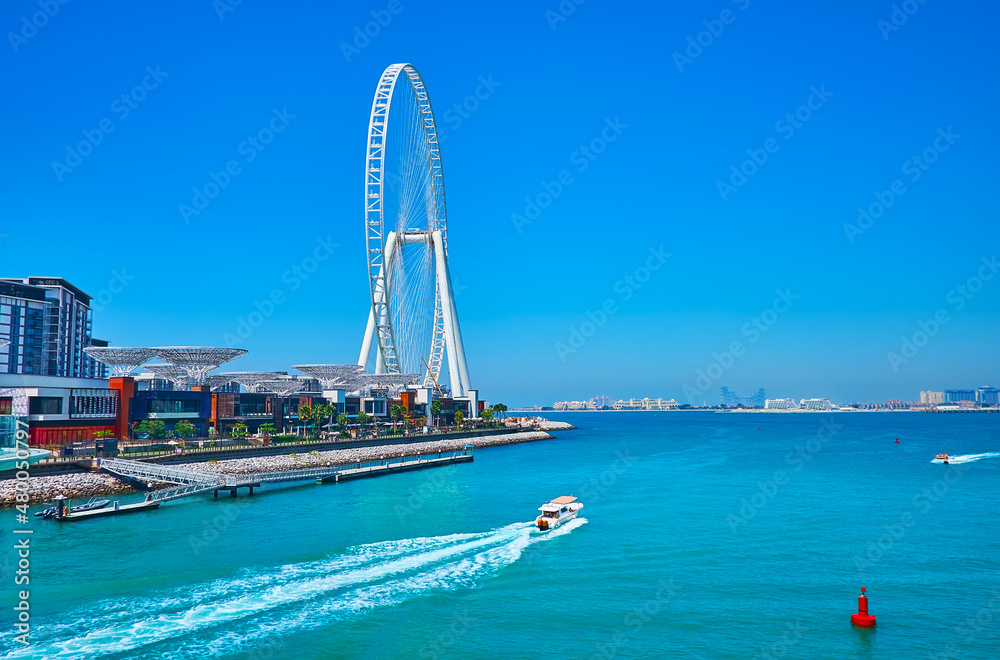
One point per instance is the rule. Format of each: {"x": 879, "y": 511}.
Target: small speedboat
{"x": 93, "y": 503}
{"x": 942, "y": 457}
{"x": 557, "y": 512}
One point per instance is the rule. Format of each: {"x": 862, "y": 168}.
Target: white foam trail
{"x": 968, "y": 458}
{"x": 294, "y": 597}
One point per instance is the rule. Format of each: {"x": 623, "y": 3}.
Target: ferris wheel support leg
{"x": 366, "y": 345}
{"x": 458, "y": 370}
{"x": 382, "y": 303}
{"x": 463, "y": 367}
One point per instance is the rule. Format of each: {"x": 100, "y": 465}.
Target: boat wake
{"x": 228, "y": 616}
{"x": 968, "y": 458}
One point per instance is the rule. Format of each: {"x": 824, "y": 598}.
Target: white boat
{"x": 557, "y": 512}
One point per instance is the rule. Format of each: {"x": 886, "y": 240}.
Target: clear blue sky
{"x": 682, "y": 124}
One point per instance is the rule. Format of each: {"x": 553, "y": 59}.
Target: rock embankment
{"x": 83, "y": 486}
{"x": 335, "y": 457}
{"x": 550, "y": 425}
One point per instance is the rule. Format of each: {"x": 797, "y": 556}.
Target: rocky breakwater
{"x": 336, "y": 457}
{"x": 79, "y": 487}
{"x": 86, "y": 485}
{"x": 550, "y": 425}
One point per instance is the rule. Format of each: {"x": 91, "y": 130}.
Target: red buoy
{"x": 897, "y": 441}
{"x": 863, "y": 618}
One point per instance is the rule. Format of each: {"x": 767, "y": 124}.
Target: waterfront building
{"x": 988, "y": 396}
{"x": 816, "y": 404}
{"x": 645, "y": 404}
{"x": 931, "y": 398}
{"x": 61, "y": 410}
{"x": 957, "y": 396}
{"x": 47, "y": 323}
{"x": 732, "y": 400}
{"x": 573, "y": 405}
{"x": 781, "y": 404}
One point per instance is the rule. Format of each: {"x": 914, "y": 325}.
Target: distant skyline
{"x": 607, "y": 400}
{"x": 643, "y": 197}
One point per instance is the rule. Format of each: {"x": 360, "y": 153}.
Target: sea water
{"x": 704, "y": 535}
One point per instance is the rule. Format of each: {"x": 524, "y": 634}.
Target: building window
{"x": 174, "y": 406}
{"x": 44, "y": 405}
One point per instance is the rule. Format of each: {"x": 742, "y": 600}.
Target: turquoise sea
{"x": 704, "y": 535}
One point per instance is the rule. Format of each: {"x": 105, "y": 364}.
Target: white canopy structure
{"x": 251, "y": 379}
{"x": 198, "y": 360}
{"x": 391, "y": 382}
{"x": 172, "y": 372}
{"x": 333, "y": 376}
{"x": 121, "y": 360}
{"x": 283, "y": 387}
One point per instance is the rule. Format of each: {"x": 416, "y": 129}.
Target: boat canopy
{"x": 565, "y": 499}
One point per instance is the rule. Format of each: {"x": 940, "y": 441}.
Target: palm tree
{"x": 397, "y": 412}
{"x": 487, "y": 414}
{"x": 326, "y": 412}
{"x": 436, "y": 409}
{"x": 363, "y": 419}
{"x": 499, "y": 408}
{"x": 305, "y": 415}
{"x": 459, "y": 417}
{"x": 343, "y": 420}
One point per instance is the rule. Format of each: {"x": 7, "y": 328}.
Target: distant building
{"x": 988, "y": 396}
{"x": 781, "y": 404}
{"x": 956, "y": 396}
{"x": 602, "y": 401}
{"x": 645, "y": 404}
{"x": 816, "y": 404}
{"x": 930, "y": 397}
{"x": 48, "y": 323}
{"x": 731, "y": 400}
{"x": 573, "y": 405}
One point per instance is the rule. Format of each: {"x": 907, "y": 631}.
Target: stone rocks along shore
{"x": 82, "y": 486}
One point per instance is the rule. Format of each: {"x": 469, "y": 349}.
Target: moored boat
{"x": 557, "y": 512}
{"x": 93, "y": 503}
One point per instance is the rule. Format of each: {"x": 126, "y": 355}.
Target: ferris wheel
{"x": 413, "y": 322}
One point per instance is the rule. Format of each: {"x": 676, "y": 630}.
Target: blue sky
{"x": 215, "y": 74}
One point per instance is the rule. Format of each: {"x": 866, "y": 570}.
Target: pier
{"x": 114, "y": 510}
{"x": 187, "y": 482}
{"x": 386, "y": 467}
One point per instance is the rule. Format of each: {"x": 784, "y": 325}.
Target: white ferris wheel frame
{"x": 446, "y": 334}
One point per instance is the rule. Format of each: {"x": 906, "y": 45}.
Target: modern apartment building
{"x": 48, "y": 323}
{"x": 930, "y": 397}
{"x": 988, "y": 396}
{"x": 731, "y": 400}
{"x": 955, "y": 396}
